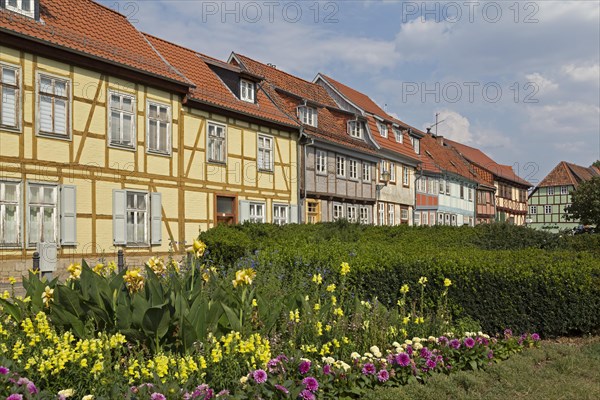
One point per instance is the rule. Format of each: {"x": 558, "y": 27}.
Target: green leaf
{"x": 232, "y": 318}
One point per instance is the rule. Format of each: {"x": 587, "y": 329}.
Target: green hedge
{"x": 503, "y": 276}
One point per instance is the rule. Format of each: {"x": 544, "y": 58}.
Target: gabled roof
{"x": 438, "y": 157}
{"x": 478, "y": 157}
{"x": 375, "y": 114}
{"x": 289, "y": 92}
{"x": 566, "y": 174}
{"x": 87, "y": 28}
{"x": 210, "y": 89}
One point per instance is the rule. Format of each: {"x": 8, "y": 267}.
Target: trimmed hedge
{"x": 503, "y": 276}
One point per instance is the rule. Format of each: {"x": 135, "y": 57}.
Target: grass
{"x": 567, "y": 369}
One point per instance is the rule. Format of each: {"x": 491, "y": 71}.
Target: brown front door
{"x": 226, "y": 210}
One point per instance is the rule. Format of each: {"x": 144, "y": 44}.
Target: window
{"x": 53, "y": 106}
{"x": 417, "y": 219}
{"x": 440, "y": 219}
{"x": 425, "y": 218}
{"x": 532, "y": 210}
{"x": 416, "y": 144}
{"x": 137, "y": 218}
{"x": 24, "y": 7}
{"x": 453, "y": 219}
{"x": 265, "y": 153}
{"x": 447, "y": 188}
{"x": 382, "y": 167}
{"x": 392, "y": 172}
{"x": 121, "y": 120}
{"x": 9, "y": 95}
{"x": 432, "y": 185}
{"x": 42, "y": 214}
{"x": 383, "y": 129}
{"x": 431, "y": 218}
{"x": 462, "y": 191}
{"x": 352, "y": 169}
{"x": 10, "y": 214}
{"x": 550, "y": 190}
{"x": 352, "y": 214}
{"x": 308, "y": 115}
{"x": 355, "y": 129}
{"x": 247, "y": 90}
{"x": 391, "y": 215}
{"x": 312, "y": 211}
{"x": 280, "y": 214}
{"x": 257, "y": 212}
{"x": 366, "y": 171}
{"x": 404, "y": 214}
{"x": 442, "y": 185}
{"x": 406, "y": 177}
{"x": 340, "y": 162}
{"x": 226, "y": 210}
{"x": 364, "y": 215}
{"x": 398, "y": 135}
{"x": 321, "y": 162}
{"x": 159, "y": 128}
{"x": 564, "y": 190}
{"x": 547, "y": 209}
{"x": 338, "y": 212}
{"x": 217, "y": 145}
{"x": 381, "y": 213}
{"x": 470, "y": 194}
{"x": 447, "y": 219}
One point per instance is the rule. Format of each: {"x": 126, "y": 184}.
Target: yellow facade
{"x": 187, "y": 182}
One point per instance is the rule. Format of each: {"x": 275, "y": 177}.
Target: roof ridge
{"x": 109, "y": 9}
{"x": 275, "y": 69}
{"x": 164, "y": 59}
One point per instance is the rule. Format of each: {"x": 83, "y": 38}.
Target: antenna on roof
{"x": 436, "y": 124}
{"x": 271, "y": 65}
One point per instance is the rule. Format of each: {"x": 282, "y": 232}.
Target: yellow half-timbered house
{"x": 106, "y": 143}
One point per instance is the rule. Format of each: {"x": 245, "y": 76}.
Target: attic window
{"x": 247, "y": 91}
{"x": 383, "y": 129}
{"x": 24, "y": 7}
{"x": 355, "y": 129}
{"x": 416, "y": 144}
{"x": 308, "y": 115}
{"x": 398, "y": 135}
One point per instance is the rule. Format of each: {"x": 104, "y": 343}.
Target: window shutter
{"x": 68, "y": 215}
{"x": 244, "y": 210}
{"x": 119, "y": 217}
{"x": 293, "y": 218}
{"x": 156, "y": 218}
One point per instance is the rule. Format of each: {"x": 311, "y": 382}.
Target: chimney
{"x": 440, "y": 140}
{"x": 429, "y": 131}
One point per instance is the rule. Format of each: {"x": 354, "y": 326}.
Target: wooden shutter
{"x": 119, "y": 217}
{"x": 244, "y": 211}
{"x": 68, "y": 215}
{"x": 155, "y": 218}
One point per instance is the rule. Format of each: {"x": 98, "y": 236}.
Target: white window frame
{"x": 308, "y": 115}
{"x": 381, "y": 214}
{"x": 533, "y": 210}
{"x": 281, "y": 214}
{"x": 247, "y": 91}
{"x": 405, "y": 176}
{"x": 417, "y": 218}
{"x": 158, "y": 121}
{"x": 470, "y": 194}
{"x": 122, "y": 113}
{"x": 145, "y": 220}
{"x": 43, "y": 206}
{"x": 392, "y": 167}
{"x": 340, "y": 166}
{"x": 383, "y": 129}
{"x": 416, "y": 143}
{"x": 391, "y": 215}
{"x": 264, "y": 152}
{"x": 356, "y": 129}
{"x": 364, "y": 215}
{"x": 19, "y": 8}
{"x": 17, "y": 204}
{"x": 352, "y": 213}
{"x": 54, "y": 97}
{"x": 257, "y": 212}
{"x": 547, "y": 209}
{"x": 366, "y": 171}
{"x": 211, "y": 141}
{"x": 338, "y": 211}
{"x": 564, "y": 190}
{"x": 398, "y": 135}
{"x": 321, "y": 162}
{"x": 404, "y": 214}
{"x": 352, "y": 169}
{"x": 425, "y": 218}
{"x": 550, "y": 190}
{"x": 17, "y": 88}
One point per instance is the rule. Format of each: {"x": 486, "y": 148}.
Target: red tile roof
{"x": 478, "y": 157}
{"x": 565, "y": 174}
{"x": 211, "y": 89}
{"x": 289, "y": 91}
{"x": 88, "y": 28}
{"x": 365, "y": 103}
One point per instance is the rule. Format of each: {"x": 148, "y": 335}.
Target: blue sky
{"x": 520, "y": 80}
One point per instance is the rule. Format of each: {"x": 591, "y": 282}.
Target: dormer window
{"x": 24, "y": 7}
{"x": 308, "y": 115}
{"x": 416, "y": 143}
{"x": 355, "y": 129}
{"x": 247, "y": 91}
{"x": 398, "y": 135}
{"x": 383, "y": 129}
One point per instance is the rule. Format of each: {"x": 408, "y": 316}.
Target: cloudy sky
{"x": 520, "y": 80}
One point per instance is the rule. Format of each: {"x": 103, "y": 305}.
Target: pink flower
{"x": 157, "y": 396}
{"x": 369, "y": 369}
{"x": 383, "y": 375}
{"x": 304, "y": 367}
{"x": 469, "y": 342}
{"x": 4, "y": 370}
{"x": 260, "y": 376}
{"x": 311, "y": 383}
{"x": 307, "y": 395}
{"x": 282, "y": 389}
{"x": 15, "y": 396}
{"x": 402, "y": 359}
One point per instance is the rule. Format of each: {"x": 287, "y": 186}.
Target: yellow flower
{"x": 405, "y": 288}
{"x": 317, "y": 307}
{"x": 339, "y": 312}
{"x": 244, "y": 277}
{"x": 88, "y": 397}
{"x": 333, "y": 300}
{"x": 295, "y": 316}
{"x": 318, "y": 279}
{"x": 447, "y": 282}
{"x": 48, "y": 296}
{"x": 66, "y": 393}
{"x": 157, "y": 265}
{"x": 422, "y": 280}
{"x": 331, "y": 288}
{"x": 134, "y": 280}
{"x": 406, "y": 320}
{"x": 12, "y": 280}
{"x": 254, "y": 303}
{"x": 344, "y": 268}
{"x": 198, "y": 248}
{"x": 75, "y": 271}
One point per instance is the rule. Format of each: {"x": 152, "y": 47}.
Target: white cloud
{"x": 570, "y": 118}
{"x": 453, "y": 126}
{"x": 589, "y": 74}
{"x": 543, "y": 84}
